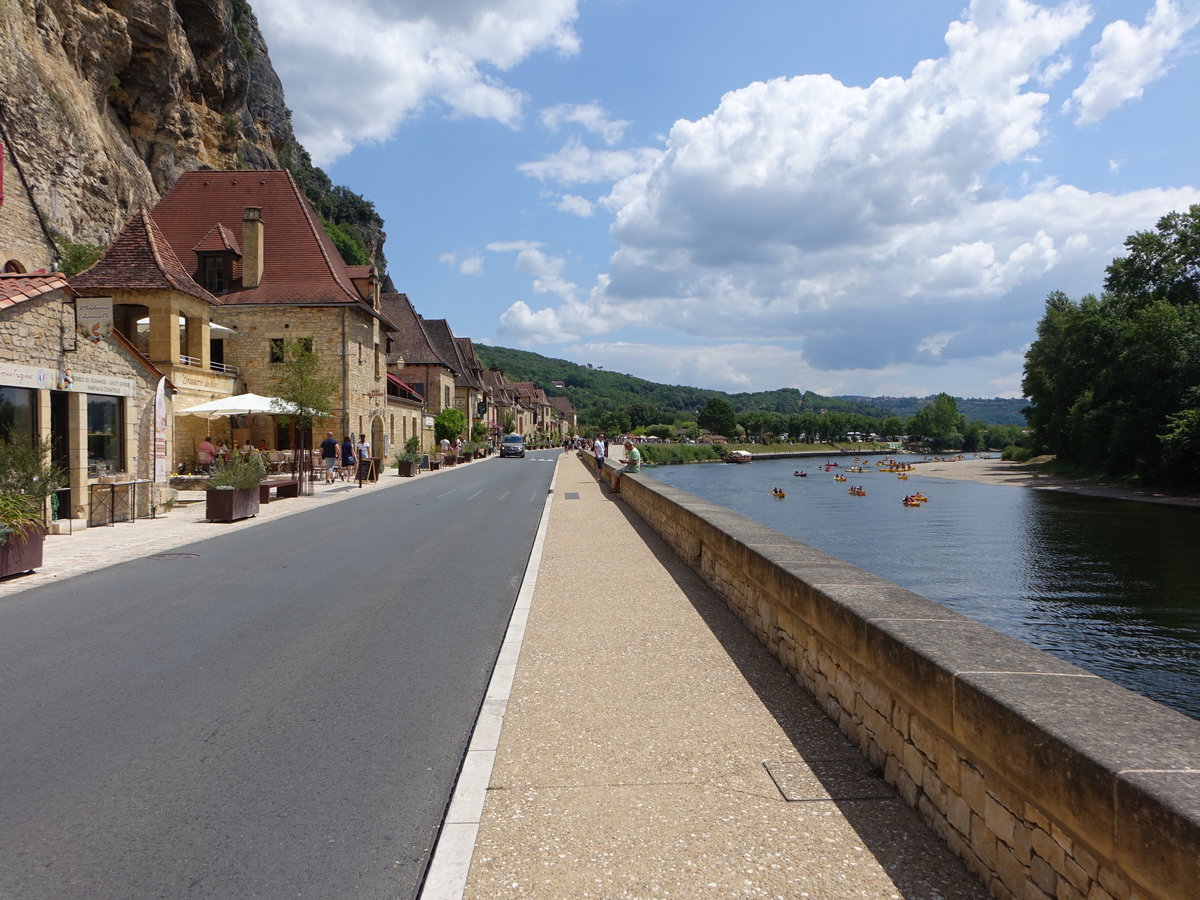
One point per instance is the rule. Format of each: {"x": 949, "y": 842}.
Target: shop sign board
{"x": 94, "y": 317}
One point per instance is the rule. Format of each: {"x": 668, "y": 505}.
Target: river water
{"x": 1112, "y": 586}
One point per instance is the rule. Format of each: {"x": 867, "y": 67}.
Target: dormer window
{"x": 215, "y": 272}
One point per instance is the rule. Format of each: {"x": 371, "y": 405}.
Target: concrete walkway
{"x": 645, "y": 745}
{"x": 652, "y": 748}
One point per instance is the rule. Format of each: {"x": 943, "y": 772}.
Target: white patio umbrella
{"x": 239, "y": 405}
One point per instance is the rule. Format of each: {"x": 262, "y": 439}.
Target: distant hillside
{"x": 590, "y": 388}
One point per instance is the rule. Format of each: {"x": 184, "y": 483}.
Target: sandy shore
{"x": 999, "y": 471}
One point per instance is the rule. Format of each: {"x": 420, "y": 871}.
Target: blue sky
{"x": 858, "y": 198}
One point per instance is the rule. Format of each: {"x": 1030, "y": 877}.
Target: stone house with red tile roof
{"x": 88, "y": 392}
{"x": 213, "y": 281}
{"x": 416, "y": 361}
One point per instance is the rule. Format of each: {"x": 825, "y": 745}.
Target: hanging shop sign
{"x": 94, "y": 317}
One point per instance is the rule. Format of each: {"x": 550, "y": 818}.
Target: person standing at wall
{"x": 598, "y": 449}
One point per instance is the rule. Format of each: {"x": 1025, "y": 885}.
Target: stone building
{"x": 415, "y": 361}
{"x": 252, "y": 240}
{"x": 102, "y": 406}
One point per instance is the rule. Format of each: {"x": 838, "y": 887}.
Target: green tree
{"x": 302, "y": 386}
{"x": 74, "y": 258}
{"x": 1112, "y": 379}
{"x": 449, "y": 424}
{"x": 718, "y": 417}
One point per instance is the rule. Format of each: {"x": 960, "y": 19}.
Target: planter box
{"x": 229, "y": 506}
{"x": 19, "y": 554}
{"x": 407, "y": 469}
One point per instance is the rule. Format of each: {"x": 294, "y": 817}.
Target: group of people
{"x": 210, "y": 455}
{"x": 341, "y": 457}
{"x": 631, "y": 463}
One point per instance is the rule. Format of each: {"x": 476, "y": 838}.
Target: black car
{"x": 512, "y": 445}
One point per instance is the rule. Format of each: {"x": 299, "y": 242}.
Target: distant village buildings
{"x": 196, "y": 300}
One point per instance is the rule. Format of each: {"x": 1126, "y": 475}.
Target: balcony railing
{"x": 216, "y": 366}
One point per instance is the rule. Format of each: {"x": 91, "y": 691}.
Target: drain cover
{"x": 175, "y": 556}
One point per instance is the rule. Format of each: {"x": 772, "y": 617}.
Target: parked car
{"x": 512, "y": 445}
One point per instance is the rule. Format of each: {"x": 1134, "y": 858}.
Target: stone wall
{"x": 249, "y": 350}
{"x": 1049, "y": 782}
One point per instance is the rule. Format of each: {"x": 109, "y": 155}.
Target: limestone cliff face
{"x": 105, "y": 102}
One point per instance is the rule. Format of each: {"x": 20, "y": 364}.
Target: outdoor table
{"x": 122, "y": 506}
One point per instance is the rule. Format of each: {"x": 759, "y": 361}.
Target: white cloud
{"x": 591, "y": 116}
{"x": 577, "y": 164}
{"x": 512, "y": 246}
{"x": 575, "y": 205}
{"x": 1128, "y": 58}
{"x": 863, "y": 229}
{"x": 471, "y": 264}
{"x": 354, "y": 71}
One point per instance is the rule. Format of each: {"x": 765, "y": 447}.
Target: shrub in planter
{"x": 408, "y": 462}
{"x": 233, "y": 491}
{"x": 27, "y": 479}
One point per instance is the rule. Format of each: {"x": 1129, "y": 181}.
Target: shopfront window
{"x": 16, "y": 412}
{"x": 106, "y": 429}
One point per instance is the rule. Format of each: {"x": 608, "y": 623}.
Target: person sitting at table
{"x": 247, "y": 449}
{"x": 222, "y": 452}
{"x": 205, "y": 454}
{"x": 262, "y": 446}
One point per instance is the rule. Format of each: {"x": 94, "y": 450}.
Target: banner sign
{"x": 160, "y": 431}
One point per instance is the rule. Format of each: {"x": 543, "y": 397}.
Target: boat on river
{"x": 738, "y": 456}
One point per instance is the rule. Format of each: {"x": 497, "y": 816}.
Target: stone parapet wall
{"x": 1049, "y": 782}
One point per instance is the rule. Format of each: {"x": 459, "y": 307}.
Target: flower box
{"x": 21, "y": 553}
{"x": 230, "y": 505}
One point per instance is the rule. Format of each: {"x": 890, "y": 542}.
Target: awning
{"x": 400, "y": 384}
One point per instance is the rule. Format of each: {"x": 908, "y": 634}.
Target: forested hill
{"x": 590, "y": 388}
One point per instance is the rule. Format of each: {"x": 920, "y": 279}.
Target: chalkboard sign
{"x": 368, "y": 469}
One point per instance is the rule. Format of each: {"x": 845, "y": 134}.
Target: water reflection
{"x": 1111, "y": 586}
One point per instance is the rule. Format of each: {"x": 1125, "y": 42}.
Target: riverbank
{"x": 1001, "y": 471}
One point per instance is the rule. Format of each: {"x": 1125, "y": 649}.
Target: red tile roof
{"x": 17, "y": 288}
{"x": 139, "y": 259}
{"x": 218, "y": 238}
{"x": 300, "y": 264}
{"x": 411, "y": 341}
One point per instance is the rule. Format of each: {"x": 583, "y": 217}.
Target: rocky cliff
{"x": 105, "y": 102}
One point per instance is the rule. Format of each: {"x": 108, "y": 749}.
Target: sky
{"x": 866, "y": 197}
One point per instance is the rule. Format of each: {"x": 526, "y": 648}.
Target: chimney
{"x": 252, "y": 247}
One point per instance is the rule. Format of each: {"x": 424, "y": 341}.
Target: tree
{"x": 718, "y": 417}
{"x": 939, "y": 423}
{"x": 1112, "y": 379}
{"x": 449, "y": 424}
{"x": 299, "y": 382}
{"x": 1162, "y": 264}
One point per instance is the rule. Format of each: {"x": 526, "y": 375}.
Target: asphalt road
{"x": 280, "y": 715}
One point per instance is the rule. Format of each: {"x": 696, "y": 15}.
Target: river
{"x": 1113, "y": 586}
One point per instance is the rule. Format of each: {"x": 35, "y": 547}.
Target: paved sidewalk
{"x": 652, "y": 748}
{"x": 87, "y": 549}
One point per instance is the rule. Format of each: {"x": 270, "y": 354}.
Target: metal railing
{"x": 216, "y": 366}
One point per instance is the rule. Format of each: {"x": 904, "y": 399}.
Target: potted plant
{"x": 232, "y": 492}
{"x": 27, "y": 479}
{"x": 408, "y": 462}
